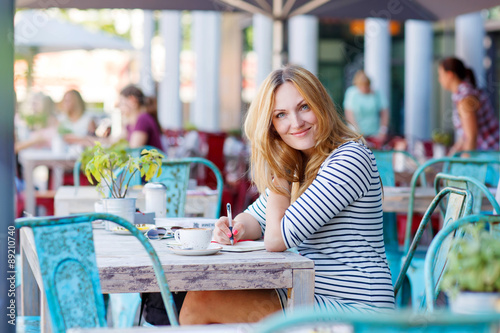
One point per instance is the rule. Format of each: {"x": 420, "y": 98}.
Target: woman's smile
{"x": 301, "y": 133}
{"x": 293, "y": 119}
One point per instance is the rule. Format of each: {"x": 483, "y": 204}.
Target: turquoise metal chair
{"x": 473, "y": 167}
{"x": 385, "y": 164}
{"x": 65, "y": 249}
{"x": 477, "y": 189}
{"x": 493, "y": 172}
{"x": 456, "y": 166}
{"x": 459, "y": 204}
{"x": 315, "y": 320}
{"x": 435, "y": 260}
{"x": 175, "y": 176}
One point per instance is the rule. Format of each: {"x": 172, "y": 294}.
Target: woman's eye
{"x": 280, "y": 115}
{"x": 304, "y": 107}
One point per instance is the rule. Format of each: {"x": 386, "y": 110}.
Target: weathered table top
{"x": 124, "y": 267}
{"x": 231, "y": 328}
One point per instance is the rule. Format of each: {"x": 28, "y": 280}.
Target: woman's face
{"x": 363, "y": 87}
{"x": 68, "y": 103}
{"x": 127, "y": 105}
{"x": 293, "y": 119}
{"x": 444, "y": 77}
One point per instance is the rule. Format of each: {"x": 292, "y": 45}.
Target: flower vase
{"x": 123, "y": 207}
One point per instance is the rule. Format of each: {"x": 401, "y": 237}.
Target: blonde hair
{"x": 361, "y": 78}
{"x": 270, "y": 156}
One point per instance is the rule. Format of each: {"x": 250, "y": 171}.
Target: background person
{"x": 76, "y": 125}
{"x": 320, "y": 192}
{"x": 140, "y": 118}
{"x": 475, "y": 122}
{"x": 366, "y": 109}
{"x": 36, "y": 122}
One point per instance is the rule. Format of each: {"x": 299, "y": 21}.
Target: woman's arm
{"x": 277, "y": 204}
{"x": 384, "y": 124}
{"x": 138, "y": 139}
{"x": 467, "y": 110}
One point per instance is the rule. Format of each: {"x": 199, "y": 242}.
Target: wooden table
{"x": 125, "y": 267}
{"x": 229, "y": 328}
{"x": 397, "y": 199}
{"x": 73, "y": 200}
{"x": 31, "y": 158}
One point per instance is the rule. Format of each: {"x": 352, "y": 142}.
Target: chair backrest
{"x": 134, "y": 152}
{"x": 493, "y": 172}
{"x": 473, "y": 167}
{"x": 436, "y": 257}
{"x": 385, "y": 164}
{"x": 175, "y": 176}
{"x": 459, "y": 204}
{"x": 319, "y": 320}
{"x": 477, "y": 189}
{"x": 65, "y": 249}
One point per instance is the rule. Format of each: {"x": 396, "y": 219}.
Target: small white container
{"x": 155, "y": 197}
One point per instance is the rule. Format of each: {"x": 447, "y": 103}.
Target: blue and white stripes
{"x": 337, "y": 222}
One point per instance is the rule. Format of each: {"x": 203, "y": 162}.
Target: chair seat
{"x": 28, "y": 324}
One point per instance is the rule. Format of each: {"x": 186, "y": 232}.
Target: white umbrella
{"x": 281, "y": 10}
{"x": 36, "y": 30}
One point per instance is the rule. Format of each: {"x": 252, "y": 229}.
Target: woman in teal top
{"x": 366, "y": 109}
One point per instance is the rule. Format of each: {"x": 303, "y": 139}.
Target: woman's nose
{"x": 297, "y": 121}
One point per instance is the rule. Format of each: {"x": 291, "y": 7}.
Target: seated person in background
{"x": 366, "y": 109}
{"x": 36, "y": 123}
{"x": 320, "y": 191}
{"x": 76, "y": 125}
{"x": 140, "y": 118}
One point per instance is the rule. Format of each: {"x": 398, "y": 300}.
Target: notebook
{"x": 244, "y": 246}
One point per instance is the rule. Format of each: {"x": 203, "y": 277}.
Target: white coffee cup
{"x": 193, "y": 238}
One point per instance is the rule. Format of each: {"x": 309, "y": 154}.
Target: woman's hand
{"x": 222, "y": 232}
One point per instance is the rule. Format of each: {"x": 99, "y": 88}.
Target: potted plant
{"x": 472, "y": 275}
{"x": 113, "y": 170}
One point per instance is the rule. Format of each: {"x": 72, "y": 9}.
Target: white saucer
{"x": 212, "y": 249}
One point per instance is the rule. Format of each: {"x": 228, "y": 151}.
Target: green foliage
{"x": 38, "y": 120}
{"x": 113, "y": 168}
{"x": 473, "y": 262}
{"x": 442, "y": 137}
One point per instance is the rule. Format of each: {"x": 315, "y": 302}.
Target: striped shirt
{"x": 337, "y": 223}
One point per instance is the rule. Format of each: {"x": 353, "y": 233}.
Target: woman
{"x": 78, "y": 125}
{"x": 140, "y": 118}
{"x": 476, "y": 126}
{"x": 320, "y": 192}
{"x": 366, "y": 109}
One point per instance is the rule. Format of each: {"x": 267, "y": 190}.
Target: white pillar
{"x": 469, "y": 37}
{"x": 303, "y": 42}
{"x": 169, "y": 103}
{"x": 206, "y": 45}
{"x": 418, "y": 80}
{"x": 378, "y": 55}
{"x": 263, "y": 45}
{"x": 147, "y": 83}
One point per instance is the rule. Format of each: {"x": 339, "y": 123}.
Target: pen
{"x": 230, "y": 217}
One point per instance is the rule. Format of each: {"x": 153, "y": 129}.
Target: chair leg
{"x": 415, "y": 275}
{"x": 124, "y": 308}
